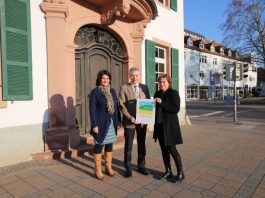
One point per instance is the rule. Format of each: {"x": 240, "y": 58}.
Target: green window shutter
{"x": 16, "y": 50}
{"x": 175, "y": 68}
{"x": 174, "y": 5}
{"x": 150, "y": 66}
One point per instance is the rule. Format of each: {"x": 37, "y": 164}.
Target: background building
{"x": 205, "y": 67}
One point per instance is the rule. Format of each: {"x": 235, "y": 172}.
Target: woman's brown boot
{"x": 109, "y": 170}
{"x": 98, "y": 172}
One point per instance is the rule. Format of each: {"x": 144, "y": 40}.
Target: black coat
{"x": 170, "y": 107}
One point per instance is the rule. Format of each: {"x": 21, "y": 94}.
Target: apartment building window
{"x": 160, "y": 62}
{"x": 212, "y": 48}
{"x": 201, "y": 46}
{"x": 203, "y": 59}
{"x": 201, "y": 74}
{"x": 192, "y": 92}
{"x": 214, "y": 61}
{"x": 189, "y": 42}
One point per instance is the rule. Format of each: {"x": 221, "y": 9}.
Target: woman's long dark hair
{"x": 100, "y": 74}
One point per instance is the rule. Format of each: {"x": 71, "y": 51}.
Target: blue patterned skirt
{"x": 111, "y": 135}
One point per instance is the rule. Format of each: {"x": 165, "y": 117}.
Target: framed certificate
{"x": 145, "y": 111}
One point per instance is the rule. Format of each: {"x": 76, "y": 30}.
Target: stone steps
{"x": 86, "y": 145}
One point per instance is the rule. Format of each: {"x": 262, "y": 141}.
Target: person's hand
{"x": 134, "y": 121}
{"x": 95, "y": 130}
{"x": 119, "y": 125}
{"x": 158, "y": 100}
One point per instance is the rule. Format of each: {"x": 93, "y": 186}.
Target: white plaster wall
{"x": 32, "y": 112}
{"x": 169, "y": 27}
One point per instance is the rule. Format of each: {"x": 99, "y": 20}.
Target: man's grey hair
{"x": 133, "y": 69}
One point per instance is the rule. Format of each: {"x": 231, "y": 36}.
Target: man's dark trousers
{"x": 129, "y": 136}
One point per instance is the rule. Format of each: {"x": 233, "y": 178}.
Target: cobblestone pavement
{"x": 221, "y": 159}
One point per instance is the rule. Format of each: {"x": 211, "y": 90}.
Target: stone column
{"x": 56, "y": 12}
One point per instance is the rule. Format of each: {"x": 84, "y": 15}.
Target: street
{"x": 218, "y": 110}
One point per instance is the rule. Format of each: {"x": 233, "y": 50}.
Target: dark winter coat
{"x": 170, "y": 107}
{"x": 99, "y": 114}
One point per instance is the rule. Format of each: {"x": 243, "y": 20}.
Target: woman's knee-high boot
{"x": 109, "y": 170}
{"x": 98, "y": 172}
{"x": 176, "y": 156}
{"x": 180, "y": 173}
{"x": 168, "y": 172}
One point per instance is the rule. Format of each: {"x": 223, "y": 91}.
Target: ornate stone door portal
{"x": 97, "y": 49}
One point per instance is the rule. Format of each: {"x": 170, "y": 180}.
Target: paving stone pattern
{"x": 220, "y": 159}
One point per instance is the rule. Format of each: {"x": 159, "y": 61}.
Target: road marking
{"x": 207, "y": 114}
{"x": 238, "y": 112}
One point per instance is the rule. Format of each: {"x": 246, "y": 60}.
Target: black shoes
{"x": 167, "y": 174}
{"x": 128, "y": 173}
{"x": 142, "y": 171}
{"x": 178, "y": 178}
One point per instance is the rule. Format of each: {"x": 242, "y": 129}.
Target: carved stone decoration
{"x": 88, "y": 36}
{"x": 140, "y": 27}
{"x": 125, "y": 6}
{"x": 108, "y": 16}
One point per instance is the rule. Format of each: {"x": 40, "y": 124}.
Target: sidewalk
{"x": 220, "y": 160}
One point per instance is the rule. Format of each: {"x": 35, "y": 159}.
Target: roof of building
{"x": 193, "y": 33}
{"x": 207, "y": 43}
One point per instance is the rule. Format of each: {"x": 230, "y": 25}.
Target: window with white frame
{"x": 189, "y": 42}
{"x": 214, "y": 61}
{"x": 160, "y": 62}
{"x": 221, "y": 51}
{"x": 212, "y": 48}
{"x": 201, "y": 74}
{"x": 201, "y": 46}
{"x": 203, "y": 59}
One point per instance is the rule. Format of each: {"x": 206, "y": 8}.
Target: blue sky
{"x": 205, "y": 17}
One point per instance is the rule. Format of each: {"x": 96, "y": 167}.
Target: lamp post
{"x": 237, "y": 76}
{"x": 235, "y": 95}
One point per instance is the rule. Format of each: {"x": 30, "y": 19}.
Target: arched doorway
{"x": 97, "y": 49}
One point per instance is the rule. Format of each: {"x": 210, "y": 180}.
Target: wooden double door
{"x": 102, "y": 51}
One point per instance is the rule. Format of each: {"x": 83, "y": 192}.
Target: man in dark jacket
{"x": 127, "y": 100}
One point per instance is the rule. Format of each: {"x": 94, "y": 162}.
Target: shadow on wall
{"x": 45, "y": 126}
{"x": 62, "y": 132}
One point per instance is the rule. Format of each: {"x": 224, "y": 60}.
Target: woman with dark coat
{"x": 103, "y": 109}
{"x": 167, "y": 128}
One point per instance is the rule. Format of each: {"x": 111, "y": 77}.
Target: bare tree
{"x": 244, "y": 27}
